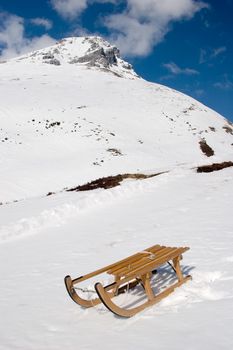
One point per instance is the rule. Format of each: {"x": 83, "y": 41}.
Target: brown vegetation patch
{"x": 206, "y": 149}
{"x": 50, "y": 193}
{"x": 214, "y": 167}
{"x": 228, "y": 129}
{"x": 114, "y": 151}
{"x": 110, "y": 181}
{"x": 54, "y": 124}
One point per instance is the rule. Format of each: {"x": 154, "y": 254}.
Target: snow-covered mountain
{"x": 83, "y": 51}
{"x": 76, "y": 112}
{"x": 79, "y": 112}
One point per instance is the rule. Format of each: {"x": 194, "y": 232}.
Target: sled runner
{"x": 129, "y": 272}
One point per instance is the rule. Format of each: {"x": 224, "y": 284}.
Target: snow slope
{"x": 44, "y": 239}
{"x": 90, "y": 115}
{"x": 75, "y": 122}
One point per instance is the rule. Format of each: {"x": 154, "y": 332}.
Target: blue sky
{"x": 184, "y": 44}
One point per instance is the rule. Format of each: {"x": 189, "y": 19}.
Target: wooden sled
{"x": 128, "y": 273}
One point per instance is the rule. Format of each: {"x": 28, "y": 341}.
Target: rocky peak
{"x": 92, "y": 52}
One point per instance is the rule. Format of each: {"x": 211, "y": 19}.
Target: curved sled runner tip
{"x": 75, "y": 297}
{"x": 109, "y": 290}
{"x": 112, "y": 306}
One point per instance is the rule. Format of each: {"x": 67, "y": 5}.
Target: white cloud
{"x": 46, "y": 23}
{"x": 199, "y": 92}
{"x": 132, "y": 37}
{"x": 143, "y": 24}
{"x": 174, "y": 69}
{"x": 218, "y": 51}
{"x": 12, "y": 37}
{"x": 163, "y": 10}
{"x": 210, "y": 54}
{"x": 203, "y": 56}
{"x": 225, "y": 84}
{"x": 71, "y": 9}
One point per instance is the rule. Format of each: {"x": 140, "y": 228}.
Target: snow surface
{"x": 43, "y": 238}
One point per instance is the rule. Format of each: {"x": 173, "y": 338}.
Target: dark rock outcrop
{"x": 206, "y": 149}
{"x": 100, "y": 57}
{"x": 214, "y": 167}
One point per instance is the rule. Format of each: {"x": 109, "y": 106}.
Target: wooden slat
{"x": 155, "y": 263}
{"x": 164, "y": 254}
{"x": 135, "y": 259}
{"x": 139, "y": 262}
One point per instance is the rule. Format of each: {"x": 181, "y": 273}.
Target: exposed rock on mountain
{"x": 90, "y": 51}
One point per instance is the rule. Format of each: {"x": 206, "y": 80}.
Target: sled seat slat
{"x": 143, "y": 259}
{"x": 133, "y": 260}
{"x": 152, "y": 264}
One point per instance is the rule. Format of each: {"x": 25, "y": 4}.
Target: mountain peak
{"x": 91, "y": 51}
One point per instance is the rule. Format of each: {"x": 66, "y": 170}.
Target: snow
{"x": 94, "y": 111}
{"x": 44, "y": 238}
{"x": 100, "y": 227}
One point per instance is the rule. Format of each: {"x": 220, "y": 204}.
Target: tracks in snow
{"x": 74, "y": 201}
{"x": 65, "y": 206}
